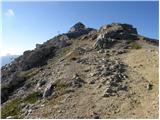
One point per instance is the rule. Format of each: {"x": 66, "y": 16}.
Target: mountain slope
{"x": 85, "y": 73}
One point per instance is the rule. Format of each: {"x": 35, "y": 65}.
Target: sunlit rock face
{"x": 77, "y": 30}
{"x": 110, "y": 33}
{"x": 77, "y": 27}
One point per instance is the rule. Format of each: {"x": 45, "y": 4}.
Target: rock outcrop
{"x": 77, "y": 27}
{"x": 115, "y": 31}
{"x": 48, "y": 91}
{"x": 77, "y": 30}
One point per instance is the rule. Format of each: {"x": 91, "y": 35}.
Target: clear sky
{"x": 26, "y": 23}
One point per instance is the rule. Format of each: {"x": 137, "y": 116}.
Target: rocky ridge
{"x": 84, "y": 60}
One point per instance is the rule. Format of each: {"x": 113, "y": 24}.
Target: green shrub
{"x": 141, "y": 38}
{"x": 130, "y": 41}
{"x": 59, "y": 54}
{"x": 29, "y": 73}
{"x": 32, "y": 98}
{"x": 12, "y": 108}
{"x": 135, "y": 46}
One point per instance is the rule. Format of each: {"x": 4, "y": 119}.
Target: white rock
{"x": 42, "y": 105}
{"x": 30, "y": 110}
{"x": 9, "y": 117}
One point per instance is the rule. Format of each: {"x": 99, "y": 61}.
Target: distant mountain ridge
{"x": 7, "y": 59}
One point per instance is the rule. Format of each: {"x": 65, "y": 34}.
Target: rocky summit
{"x": 110, "y": 72}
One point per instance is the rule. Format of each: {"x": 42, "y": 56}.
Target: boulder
{"x": 10, "y": 117}
{"x": 80, "y": 50}
{"x": 102, "y": 42}
{"x": 94, "y": 115}
{"x": 61, "y": 44}
{"x": 48, "y": 91}
{"x": 76, "y": 82}
{"x": 38, "y": 46}
{"x": 108, "y": 92}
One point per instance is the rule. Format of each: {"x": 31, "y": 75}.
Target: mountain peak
{"x": 77, "y": 27}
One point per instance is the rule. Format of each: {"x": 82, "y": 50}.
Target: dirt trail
{"x": 143, "y": 66}
{"x": 87, "y": 101}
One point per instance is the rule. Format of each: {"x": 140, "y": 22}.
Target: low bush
{"x": 33, "y": 97}
{"x": 12, "y": 108}
{"x": 135, "y": 46}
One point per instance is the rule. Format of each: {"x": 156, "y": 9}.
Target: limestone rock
{"x": 112, "y": 32}
{"x": 77, "y": 27}
{"x": 76, "y": 82}
{"x": 77, "y": 30}
{"x": 48, "y": 91}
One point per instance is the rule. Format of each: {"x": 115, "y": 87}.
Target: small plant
{"x": 12, "y": 108}
{"x": 135, "y": 46}
{"x": 59, "y": 54}
{"x": 59, "y": 87}
{"x": 32, "y": 98}
{"x": 141, "y": 38}
{"x": 129, "y": 41}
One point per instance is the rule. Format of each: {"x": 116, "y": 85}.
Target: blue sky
{"x": 26, "y": 23}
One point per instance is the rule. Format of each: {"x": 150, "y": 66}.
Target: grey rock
{"x": 23, "y": 105}
{"x": 105, "y": 72}
{"x": 42, "y": 105}
{"x": 9, "y": 117}
{"x": 38, "y": 46}
{"x": 122, "y": 87}
{"x": 120, "y": 52}
{"x": 36, "y": 57}
{"x": 48, "y": 91}
{"x": 86, "y": 70}
{"x": 92, "y": 82}
{"x": 94, "y": 115}
{"x": 76, "y": 82}
{"x": 93, "y": 74}
{"x": 102, "y": 42}
{"x": 69, "y": 90}
{"x": 80, "y": 50}
{"x": 149, "y": 86}
{"x": 61, "y": 44}
{"x": 101, "y": 51}
{"x": 108, "y": 92}
{"x": 30, "y": 111}
{"x": 41, "y": 83}
{"x": 83, "y": 61}
{"x": 26, "y": 108}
